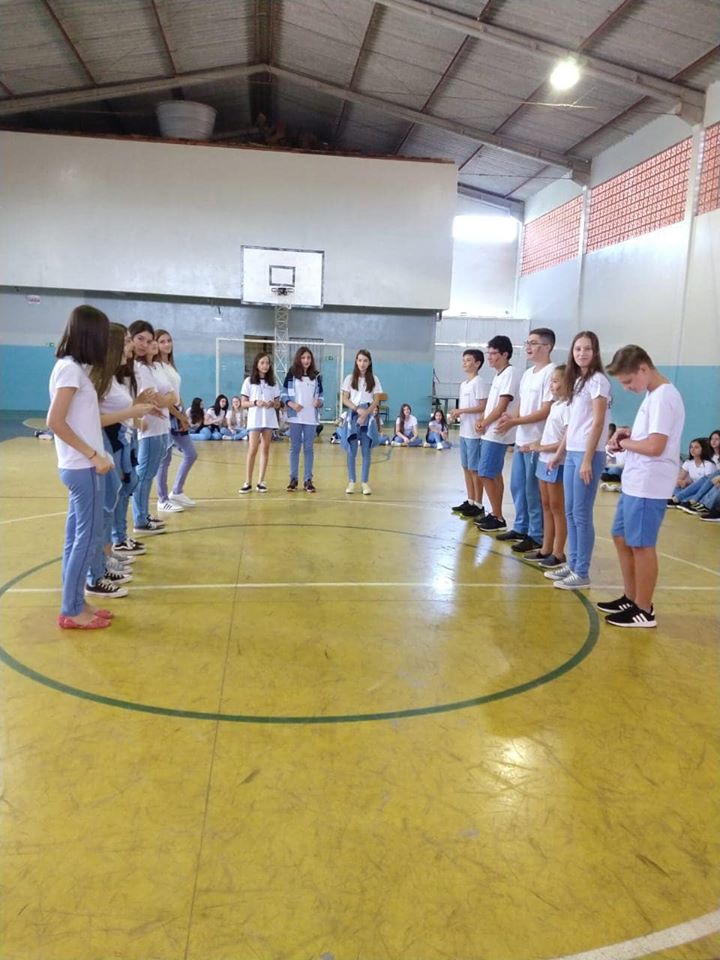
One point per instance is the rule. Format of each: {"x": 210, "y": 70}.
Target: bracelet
{"x": 94, "y": 454}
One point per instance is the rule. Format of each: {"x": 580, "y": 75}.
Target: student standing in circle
{"x": 154, "y": 430}
{"x": 74, "y": 418}
{"x": 360, "y": 394}
{"x": 302, "y": 395}
{"x": 588, "y": 392}
{"x": 179, "y": 434}
{"x": 260, "y": 396}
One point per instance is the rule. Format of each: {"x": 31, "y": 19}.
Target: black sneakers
{"x": 615, "y": 606}
{"x": 712, "y": 516}
{"x": 309, "y": 487}
{"x": 468, "y": 511}
{"x": 492, "y": 524}
{"x": 524, "y": 545}
{"x": 632, "y": 617}
{"x": 513, "y": 535}
{"x": 552, "y": 562}
{"x": 460, "y": 507}
{"x": 292, "y": 486}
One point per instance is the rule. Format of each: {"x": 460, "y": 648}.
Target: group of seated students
{"x": 222, "y": 421}
{"x": 698, "y": 488}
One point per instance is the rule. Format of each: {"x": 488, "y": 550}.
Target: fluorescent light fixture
{"x": 565, "y": 74}
{"x": 484, "y": 229}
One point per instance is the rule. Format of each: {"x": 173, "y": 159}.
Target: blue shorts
{"x": 637, "y": 520}
{"x": 470, "y": 453}
{"x": 492, "y": 459}
{"x": 543, "y": 472}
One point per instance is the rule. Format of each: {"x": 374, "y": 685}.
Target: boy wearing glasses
{"x": 535, "y": 402}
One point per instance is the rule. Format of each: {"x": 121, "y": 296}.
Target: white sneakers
{"x": 366, "y": 490}
{"x": 182, "y": 498}
{"x": 167, "y": 506}
{"x": 350, "y": 488}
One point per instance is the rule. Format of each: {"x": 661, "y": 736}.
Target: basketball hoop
{"x": 281, "y": 291}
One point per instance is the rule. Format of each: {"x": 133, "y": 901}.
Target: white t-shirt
{"x": 83, "y": 415}
{"x": 472, "y": 394}
{"x": 118, "y": 397}
{"x": 504, "y": 384}
{"x": 260, "y": 418}
{"x": 410, "y": 422}
{"x": 581, "y": 413}
{"x": 662, "y": 411}
{"x": 534, "y": 392}
{"x": 554, "y": 428}
{"x": 361, "y": 395}
{"x": 695, "y": 472}
{"x": 305, "y": 396}
{"x": 153, "y": 378}
{"x": 173, "y": 377}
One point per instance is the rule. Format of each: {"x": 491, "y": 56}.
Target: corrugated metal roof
{"x": 359, "y": 48}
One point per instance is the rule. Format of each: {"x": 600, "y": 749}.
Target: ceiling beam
{"x": 645, "y": 84}
{"x": 32, "y": 102}
{"x": 162, "y": 30}
{"x": 361, "y": 53}
{"x": 510, "y": 144}
{"x": 516, "y": 207}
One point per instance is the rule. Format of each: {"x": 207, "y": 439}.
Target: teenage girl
{"x": 714, "y": 441}
{"x": 302, "y": 395}
{"x": 260, "y": 396}
{"x": 154, "y": 430}
{"x": 437, "y": 431}
{"x": 179, "y": 436}
{"x": 588, "y": 391}
{"x": 406, "y": 428}
{"x": 551, "y": 554}
{"x": 235, "y": 421}
{"x": 74, "y": 418}
{"x": 215, "y": 416}
{"x": 698, "y": 465}
{"x": 361, "y": 391}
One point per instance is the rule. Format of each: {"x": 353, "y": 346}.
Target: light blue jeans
{"x": 579, "y": 502}
{"x": 82, "y": 529}
{"x": 150, "y": 452}
{"x": 525, "y": 491}
{"x": 183, "y": 443}
{"x": 301, "y": 435}
{"x": 110, "y": 490}
{"x": 127, "y": 486}
{"x": 363, "y": 439}
{"x": 696, "y": 490}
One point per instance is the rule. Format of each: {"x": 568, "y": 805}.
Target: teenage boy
{"x": 535, "y": 403}
{"x": 471, "y": 406}
{"x": 503, "y": 398}
{"x": 648, "y": 479}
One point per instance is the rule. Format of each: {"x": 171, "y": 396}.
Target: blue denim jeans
{"x": 363, "y": 440}
{"x": 183, "y": 443}
{"x": 301, "y": 435}
{"x": 110, "y": 490}
{"x": 150, "y": 453}
{"x": 82, "y": 529}
{"x": 696, "y": 490}
{"x": 579, "y": 502}
{"x": 128, "y": 482}
{"x": 525, "y": 491}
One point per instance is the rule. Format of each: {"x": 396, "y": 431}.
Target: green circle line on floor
{"x": 514, "y": 691}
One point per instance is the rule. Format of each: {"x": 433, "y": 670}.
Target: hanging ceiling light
{"x": 565, "y": 74}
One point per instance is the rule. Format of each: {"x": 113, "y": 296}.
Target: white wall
{"x": 483, "y": 274}
{"x": 170, "y": 219}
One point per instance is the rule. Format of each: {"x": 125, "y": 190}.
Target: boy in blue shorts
{"x": 652, "y": 450}
{"x": 470, "y": 408}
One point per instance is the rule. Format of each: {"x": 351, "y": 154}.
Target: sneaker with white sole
{"x": 632, "y": 617}
{"x": 129, "y": 547}
{"x": 559, "y": 574}
{"x": 615, "y": 606}
{"x": 105, "y": 589}
{"x": 261, "y": 487}
{"x": 127, "y": 558}
{"x": 113, "y": 565}
{"x": 366, "y": 490}
{"x": 167, "y": 506}
{"x": 350, "y": 488}
{"x": 573, "y": 581}
{"x": 116, "y": 577}
{"x": 150, "y": 528}
{"x": 183, "y": 499}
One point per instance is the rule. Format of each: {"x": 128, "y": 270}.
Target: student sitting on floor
{"x": 437, "y": 432}
{"x": 406, "y": 428}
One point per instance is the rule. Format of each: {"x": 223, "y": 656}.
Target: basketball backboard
{"x": 282, "y": 277}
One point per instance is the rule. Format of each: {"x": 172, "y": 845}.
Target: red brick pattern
{"x": 649, "y": 196}
{"x": 709, "y": 190}
{"x": 552, "y": 238}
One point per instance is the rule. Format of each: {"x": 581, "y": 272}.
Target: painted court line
{"x": 38, "y": 516}
{"x": 344, "y": 584}
{"x": 675, "y": 936}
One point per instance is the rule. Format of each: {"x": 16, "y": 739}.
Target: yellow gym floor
{"x": 353, "y": 728}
